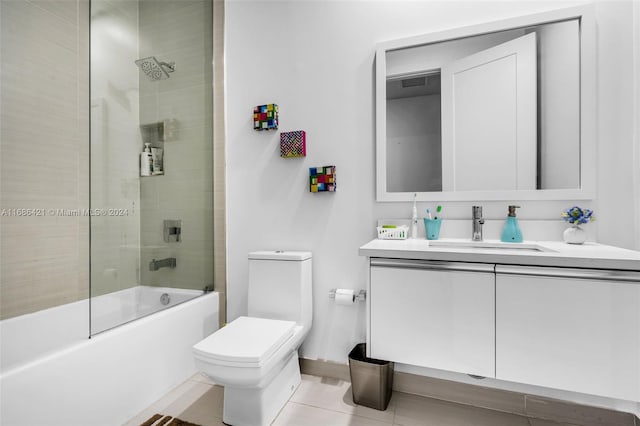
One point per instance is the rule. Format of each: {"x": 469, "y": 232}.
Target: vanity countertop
{"x": 530, "y": 253}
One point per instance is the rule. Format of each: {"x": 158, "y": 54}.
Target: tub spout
{"x": 169, "y": 262}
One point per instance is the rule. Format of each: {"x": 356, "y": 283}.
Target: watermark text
{"x": 56, "y": 212}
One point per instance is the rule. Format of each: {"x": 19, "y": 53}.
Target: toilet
{"x": 255, "y": 357}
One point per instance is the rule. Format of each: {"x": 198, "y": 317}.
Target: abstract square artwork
{"x": 293, "y": 144}
{"x": 265, "y": 117}
{"x": 322, "y": 179}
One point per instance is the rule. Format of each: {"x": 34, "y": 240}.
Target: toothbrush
{"x": 429, "y": 214}
{"x": 414, "y": 219}
{"x": 438, "y": 210}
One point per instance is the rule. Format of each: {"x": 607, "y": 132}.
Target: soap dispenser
{"x": 511, "y": 232}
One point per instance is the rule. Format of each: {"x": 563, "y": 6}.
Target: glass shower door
{"x": 151, "y": 219}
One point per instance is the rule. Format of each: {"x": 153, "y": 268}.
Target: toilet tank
{"x": 280, "y": 286}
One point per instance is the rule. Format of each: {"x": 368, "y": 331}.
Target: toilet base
{"x": 260, "y": 406}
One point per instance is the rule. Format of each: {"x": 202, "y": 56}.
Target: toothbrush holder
{"x": 432, "y": 228}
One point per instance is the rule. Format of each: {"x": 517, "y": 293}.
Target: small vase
{"x": 574, "y": 235}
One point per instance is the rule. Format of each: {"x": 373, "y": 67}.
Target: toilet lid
{"x": 246, "y": 340}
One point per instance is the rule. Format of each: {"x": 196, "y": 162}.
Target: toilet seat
{"x": 245, "y": 342}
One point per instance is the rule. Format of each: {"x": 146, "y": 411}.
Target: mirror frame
{"x": 587, "y": 187}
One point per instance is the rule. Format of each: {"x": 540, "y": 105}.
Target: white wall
{"x": 636, "y": 114}
{"x": 617, "y": 183}
{"x": 316, "y": 60}
{"x": 559, "y": 125}
{"x": 413, "y": 149}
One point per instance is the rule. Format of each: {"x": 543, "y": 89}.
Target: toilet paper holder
{"x": 361, "y": 296}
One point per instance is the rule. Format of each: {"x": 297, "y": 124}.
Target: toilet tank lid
{"x": 280, "y": 255}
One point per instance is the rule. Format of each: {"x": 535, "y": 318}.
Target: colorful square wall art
{"x": 265, "y": 117}
{"x": 322, "y": 179}
{"x": 293, "y": 144}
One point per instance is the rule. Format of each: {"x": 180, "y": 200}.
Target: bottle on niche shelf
{"x": 146, "y": 161}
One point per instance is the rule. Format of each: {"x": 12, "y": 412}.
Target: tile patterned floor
{"x": 322, "y": 401}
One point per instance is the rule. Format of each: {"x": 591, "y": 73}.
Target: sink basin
{"x": 489, "y": 245}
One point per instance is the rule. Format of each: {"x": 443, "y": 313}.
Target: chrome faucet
{"x": 169, "y": 262}
{"x": 478, "y": 221}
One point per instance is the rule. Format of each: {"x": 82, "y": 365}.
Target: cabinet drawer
{"x": 437, "y": 318}
{"x": 574, "y": 333}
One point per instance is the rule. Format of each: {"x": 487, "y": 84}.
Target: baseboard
{"x": 479, "y": 396}
{"x": 511, "y": 402}
{"x": 322, "y": 368}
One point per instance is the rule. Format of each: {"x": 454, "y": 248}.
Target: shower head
{"x": 154, "y": 69}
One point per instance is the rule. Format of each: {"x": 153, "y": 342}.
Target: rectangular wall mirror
{"x": 498, "y": 111}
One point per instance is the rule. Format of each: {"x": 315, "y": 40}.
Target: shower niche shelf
{"x": 155, "y": 135}
{"x": 161, "y": 131}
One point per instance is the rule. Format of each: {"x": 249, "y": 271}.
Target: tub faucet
{"x": 477, "y": 222}
{"x": 169, "y": 262}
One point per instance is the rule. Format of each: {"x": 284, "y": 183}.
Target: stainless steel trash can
{"x": 371, "y": 379}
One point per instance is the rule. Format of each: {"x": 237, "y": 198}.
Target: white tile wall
{"x": 45, "y": 147}
{"x": 44, "y": 134}
{"x": 179, "y": 32}
{"x": 115, "y": 146}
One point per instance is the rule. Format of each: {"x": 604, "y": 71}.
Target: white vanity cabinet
{"x": 571, "y": 329}
{"x": 433, "y": 314}
{"x": 544, "y": 313}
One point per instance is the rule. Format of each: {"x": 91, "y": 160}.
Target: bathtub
{"x": 53, "y": 374}
{"x": 121, "y": 307}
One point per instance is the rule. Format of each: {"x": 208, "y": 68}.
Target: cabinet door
{"x": 577, "y": 330}
{"x": 437, "y": 315}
